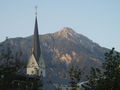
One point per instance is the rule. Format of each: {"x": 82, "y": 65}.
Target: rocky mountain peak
{"x": 65, "y": 32}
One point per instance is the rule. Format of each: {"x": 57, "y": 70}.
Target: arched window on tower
{"x": 41, "y": 74}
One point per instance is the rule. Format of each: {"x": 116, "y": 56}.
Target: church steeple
{"x": 36, "y": 44}
{"x": 36, "y": 64}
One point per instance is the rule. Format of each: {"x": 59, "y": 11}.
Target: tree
{"x": 75, "y": 75}
{"x": 95, "y": 73}
{"x": 110, "y": 78}
{"x": 11, "y": 64}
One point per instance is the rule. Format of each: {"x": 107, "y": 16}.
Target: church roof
{"x": 36, "y": 44}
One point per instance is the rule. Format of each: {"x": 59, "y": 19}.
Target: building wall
{"x": 32, "y": 67}
{"x": 32, "y": 71}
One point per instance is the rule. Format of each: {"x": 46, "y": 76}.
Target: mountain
{"x": 60, "y": 51}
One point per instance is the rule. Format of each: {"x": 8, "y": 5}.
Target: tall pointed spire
{"x": 36, "y": 10}
{"x": 36, "y": 44}
{"x": 36, "y": 64}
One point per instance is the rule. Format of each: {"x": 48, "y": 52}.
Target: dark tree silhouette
{"x": 110, "y": 78}
{"x": 75, "y": 75}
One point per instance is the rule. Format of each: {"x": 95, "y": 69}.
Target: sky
{"x": 99, "y": 20}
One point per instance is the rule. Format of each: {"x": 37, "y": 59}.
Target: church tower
{"x": 36, "y": 64}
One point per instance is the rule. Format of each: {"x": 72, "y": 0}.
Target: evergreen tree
{"x": 110, "y": 78}
{"x": 75, "y": 75}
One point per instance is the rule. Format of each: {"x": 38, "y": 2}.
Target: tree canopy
{"x": 109, "y": 78}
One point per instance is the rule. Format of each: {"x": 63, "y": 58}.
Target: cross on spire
{"x": 36, "y": 10}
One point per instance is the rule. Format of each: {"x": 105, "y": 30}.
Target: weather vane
{"x": 36, "y": 10}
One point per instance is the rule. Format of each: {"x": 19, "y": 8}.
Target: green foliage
{"x": 58, "y": 88}
{"x": 95, "y": 73}
{"x": 8, "y": 68}
{"x": 75, "y": 75}
{"x": 110, "y": 78}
